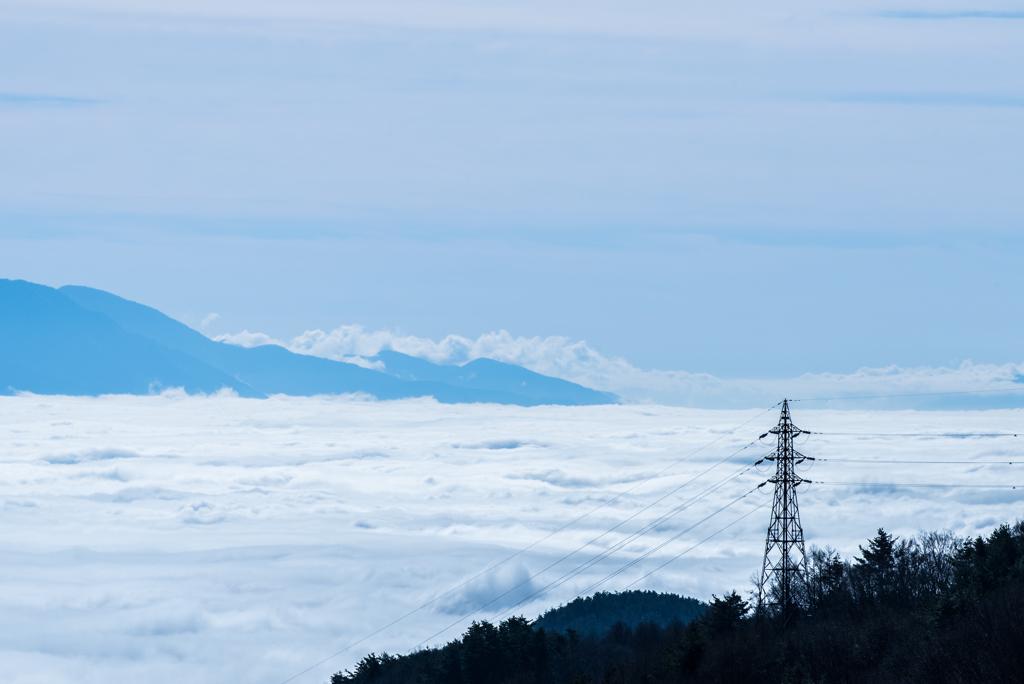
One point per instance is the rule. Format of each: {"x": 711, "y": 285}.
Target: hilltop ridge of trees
{"x": 934, "y": 609}
{"x": 595, "y": 615}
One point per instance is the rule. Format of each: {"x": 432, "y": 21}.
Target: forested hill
{"x": 595, "y": 615}
{"x": 935, "y": 609}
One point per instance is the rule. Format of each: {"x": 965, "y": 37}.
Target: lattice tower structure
{"x": 784, "y": 553}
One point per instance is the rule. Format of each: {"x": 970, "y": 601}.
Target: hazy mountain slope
{"x": 496, "y": 376}
{"x": 270, "y": 368}
{"x": 275, "y": 370}
{"x": 51, "y": 345}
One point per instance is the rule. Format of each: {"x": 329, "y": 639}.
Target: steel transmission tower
{"x": 784, "y": 555}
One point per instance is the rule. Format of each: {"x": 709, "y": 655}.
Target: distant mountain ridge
{"x": 83, "y": 341}
{"x": 492, "y": 375}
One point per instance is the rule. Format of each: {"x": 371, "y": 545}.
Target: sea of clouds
{"x": 578, "y": 362}
{"x": 172, "y": 538}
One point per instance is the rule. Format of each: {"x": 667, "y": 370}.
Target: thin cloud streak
{"x": 37, "y": 100}
{"x": 935, "y": 99}
{"x": 967, "y": 14}
{"x": 651, "y": 18}
{"x": 734, "y": 21}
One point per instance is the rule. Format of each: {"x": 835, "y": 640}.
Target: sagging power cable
{"x": 589, "y": 543}
{"x": 672, "y": 560}
{"x": 918, "y": 484}
{"x": 870, "y": 461}
{"x": 631, "y": 538}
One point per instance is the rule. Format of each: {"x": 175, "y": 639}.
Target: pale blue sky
{"x": 744, "y": 191}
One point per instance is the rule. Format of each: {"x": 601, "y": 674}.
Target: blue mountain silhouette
{"x": 79, "y": 340}
{"x": 493, "y": 375}
{"x": 50, "y": 345}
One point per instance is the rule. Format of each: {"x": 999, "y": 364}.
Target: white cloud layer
{"x": 579, "y": 362}
{"x": 209, "y": 539}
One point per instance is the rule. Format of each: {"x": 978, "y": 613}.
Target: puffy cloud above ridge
{"x": 578, "y": 362}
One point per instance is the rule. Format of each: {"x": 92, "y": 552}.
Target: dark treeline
{"x": 936, "y": 609}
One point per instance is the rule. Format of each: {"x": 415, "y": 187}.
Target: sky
{"x": 208, "y": 539}
{"x": 735, "y": 191}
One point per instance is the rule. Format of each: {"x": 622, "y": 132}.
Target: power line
{"x": 633, "y": 562}
{"x": 922, "y": 484}
{"x": 672, "y": 539}
{"x": 869, "y": 461}
{"x": 583, "y": 567}
{"x": 920, "y": 394}
{"x": 548, "y": 536}
{"x": 662, "y": 545}
{"x": 633, "y": 537}
{"x": 915, "y": 434}
{"x": 683, "y": 506}
{"x": 554, "y": 584}
{"x": 672, "y": 560}
{"x": 569, "y": 555}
